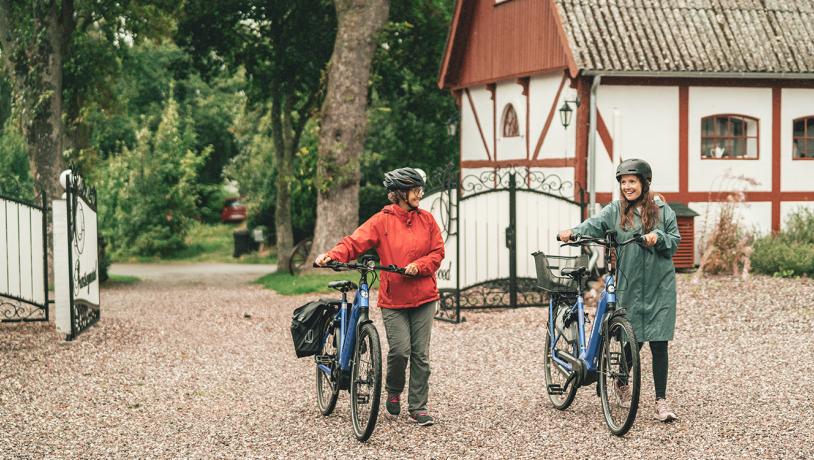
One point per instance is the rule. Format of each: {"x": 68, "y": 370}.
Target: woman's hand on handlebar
{"x": 565, "y": 236}
{"x": 650, "y": 239}
{"x": 322, "y": 260}
{"x": 411, "y": 269}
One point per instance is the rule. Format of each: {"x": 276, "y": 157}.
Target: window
{"x": 510, "y": 126}
{"x": 803, "y": 138}
{"x": 729, "y": 137}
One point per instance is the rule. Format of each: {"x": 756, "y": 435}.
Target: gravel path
{"x": 181, "y": 371}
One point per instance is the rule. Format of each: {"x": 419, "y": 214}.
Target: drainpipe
{"x": 592, "y": 147}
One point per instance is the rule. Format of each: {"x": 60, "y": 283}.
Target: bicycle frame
{"x": 349, "y": 317}
{"x": 589, "y": 354}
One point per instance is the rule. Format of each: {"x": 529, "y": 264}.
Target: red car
{"x": 233, "y": 211}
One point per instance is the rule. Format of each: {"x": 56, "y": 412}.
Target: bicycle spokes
{"x": 620, "y": 376}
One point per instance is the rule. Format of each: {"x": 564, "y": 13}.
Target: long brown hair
{"x": 650, "y": 210}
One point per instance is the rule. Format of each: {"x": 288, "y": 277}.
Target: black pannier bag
{"x": 306, "y": 327}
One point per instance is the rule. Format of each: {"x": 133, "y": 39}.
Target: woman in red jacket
{"x": 409, "y": 237}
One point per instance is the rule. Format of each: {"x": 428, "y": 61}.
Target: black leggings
{"x": 660, "y": 361}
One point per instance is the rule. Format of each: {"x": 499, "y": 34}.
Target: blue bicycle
{"x": 611, "y": 356}
{"x": 350, "y": 357}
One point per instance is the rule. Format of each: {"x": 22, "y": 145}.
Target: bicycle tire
{"x": 298, "y": 256}
{"x": 619, "y": 331}
{"x": 560, "y": 401}
{"x": 364, "y": 422}
{"x": 327, "y": 386}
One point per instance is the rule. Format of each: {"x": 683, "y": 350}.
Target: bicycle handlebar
{"x": 337, "y": 266}
{"x": 578, "y": 240}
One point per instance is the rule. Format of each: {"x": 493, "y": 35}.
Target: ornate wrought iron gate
{"x": 492, "y": 221}
{"x": 76, "y": 258}
{"x": 23, "y": 260}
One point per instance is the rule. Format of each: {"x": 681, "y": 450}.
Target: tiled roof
{"x": 726, "y": 36}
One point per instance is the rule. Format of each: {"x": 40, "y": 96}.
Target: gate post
{"x": 511, "y": 240}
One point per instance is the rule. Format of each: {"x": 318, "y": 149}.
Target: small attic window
{"x": 510, "y": 125}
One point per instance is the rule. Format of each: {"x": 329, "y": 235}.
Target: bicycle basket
{"x": 547, "y": 266}
{"x": 306, "y": 327}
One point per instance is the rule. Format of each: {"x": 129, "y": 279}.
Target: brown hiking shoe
{"x": 663, "y": 411}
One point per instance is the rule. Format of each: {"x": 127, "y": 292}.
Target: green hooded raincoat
{"x": 646, "y": 287}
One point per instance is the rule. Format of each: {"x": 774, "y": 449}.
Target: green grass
{"x": 121, "y": 279}
{"x": 286, "y": 284}
{"x": 206, "y": 243}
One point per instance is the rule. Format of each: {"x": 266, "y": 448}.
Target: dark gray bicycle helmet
{"x": 403, "y": 179}
{"x": 634, "y": 166}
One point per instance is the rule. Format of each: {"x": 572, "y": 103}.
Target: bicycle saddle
{"x": 342, "y": 285}
{"x": 573, "y": 272}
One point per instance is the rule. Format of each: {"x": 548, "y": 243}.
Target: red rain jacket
{"x": 401, "y": 238}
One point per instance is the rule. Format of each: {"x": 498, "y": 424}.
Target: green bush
{"x": 791, "y": 252}
{"x": 15, "y": 175}
{"x": 148, "y": 193}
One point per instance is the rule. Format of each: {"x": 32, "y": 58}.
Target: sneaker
{"x": 622, "y": 395}
{"x": 663, "y": 411}
{"x": 422, "y": 418}
{"x": 393, "y": 404}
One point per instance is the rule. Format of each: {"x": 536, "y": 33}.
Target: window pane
{"x": 810, "y": 150}
{"x": 722, "y": 127}
{"x": 798, "y": 127}
{"x": 729, "y": 147}
{"x": 706, "y": 147}
{"x": 795, "y": 149}
{"x": 810, "y": 128}
{"x": 706, "y": 127}
{"x": 739, "y": 147}
{"x": 751, "y": 127}
{"x": 751, "y": 147}
{"x": 738, "y": 127}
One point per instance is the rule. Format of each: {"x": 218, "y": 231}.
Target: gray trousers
{"x": 408, "y": 334}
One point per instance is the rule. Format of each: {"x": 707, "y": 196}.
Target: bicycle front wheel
{"x": 366, "y": 382}
{"x": 620, "y": 376}
{"x": 327, "y": 364}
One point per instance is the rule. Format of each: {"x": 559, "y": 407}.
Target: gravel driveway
{"x": 181, "y": 371}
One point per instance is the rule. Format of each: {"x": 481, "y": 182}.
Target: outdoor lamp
{"x": 452, "y": 125}
{"x": 566, "y": 112}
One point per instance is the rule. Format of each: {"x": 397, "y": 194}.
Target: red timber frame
{"x": 775, "y": 196}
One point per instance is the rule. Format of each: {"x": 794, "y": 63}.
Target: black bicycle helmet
{"x": 634, "y": 166}
{"x": 403, "y": 179}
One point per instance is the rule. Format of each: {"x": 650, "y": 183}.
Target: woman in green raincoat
{"x": 647, "y": 287}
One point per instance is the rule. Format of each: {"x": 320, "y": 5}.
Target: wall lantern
{"x": 452, "y": 125}
{"x": 566, "y": 112}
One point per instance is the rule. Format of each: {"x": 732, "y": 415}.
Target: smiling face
{"x": 631, "y": 187}
{"x": 414, "y": 197}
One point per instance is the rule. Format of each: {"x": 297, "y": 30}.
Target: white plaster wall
{"x": 789, "y": 207}
{"x": 472, "y": 147}
{"x": 511, "y": 148}
{"x": 559, "y": 142}
{"x": 648, "y": 129}
{"x": 795, "y": 175}
{"x": 755, "y": 216}
{"x": 705, "y": 175}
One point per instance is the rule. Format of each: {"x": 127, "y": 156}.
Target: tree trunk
{"x": 344, "y": 121}
{"x": 284, "y": 146}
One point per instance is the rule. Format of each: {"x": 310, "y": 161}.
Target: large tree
{"x": 343, "y": 120}
{"x": 36, "y": 42}
{"x": 283, "y": 47}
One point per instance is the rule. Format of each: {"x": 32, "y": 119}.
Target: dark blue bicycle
{"x": 610, "y": 356}
{"x": 350, "y": 357}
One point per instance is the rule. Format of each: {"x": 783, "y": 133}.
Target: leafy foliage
{"x": 150, "y": 189}
{"x": 789, "y": 253}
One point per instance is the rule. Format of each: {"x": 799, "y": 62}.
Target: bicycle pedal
{"x": 555, "y": 389}
{"x": 362, "y": 399}
{"x": 615, "y": 358}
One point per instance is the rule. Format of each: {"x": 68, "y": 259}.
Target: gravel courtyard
{"x": 206, "y": 370}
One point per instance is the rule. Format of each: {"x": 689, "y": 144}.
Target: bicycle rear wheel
{"x": 366, "y": 382}
{"x": 556, "y": 376}
{"x": 326, "y": 364}
{"x": 619, "y": 376}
